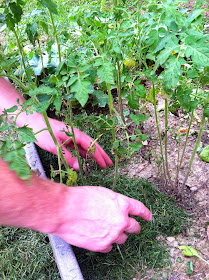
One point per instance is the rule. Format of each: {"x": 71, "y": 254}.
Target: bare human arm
{"x": 8, "y": 98}
{"x": 89, "y": 217}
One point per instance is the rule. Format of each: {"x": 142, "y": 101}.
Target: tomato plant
{"x": 83, "y": 54}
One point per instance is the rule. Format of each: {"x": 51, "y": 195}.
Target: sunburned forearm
{"x": 36, "y": 205}
{"x": 8, "y": 99}
{"x": 8, "y": 95}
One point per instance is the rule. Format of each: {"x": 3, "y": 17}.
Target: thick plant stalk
{"x": 119, "y": 91}
{"x": 166, "y": 141}
{"x": 56, "y": 38}
{"x": 185, "y": 145}
{"x": 74, "y": 140}
{"x": 59, "y": 150}
{"x": 202, "y": 125}
{"x": 21, "y": 54}
{"x": 113, "y": 135}
{"x": 102, "y": 5}
{"x": 158, "y": 129}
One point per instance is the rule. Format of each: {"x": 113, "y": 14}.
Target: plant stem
{"x": 195, "y": 148}
{"x": 166, "y": 142}
{"x": 158, "y": 129}
{"x": 21, "y": 54}
{"x": 56, "y": 38}
{"x": 113, "y": 135}
{"x": 73, "y": 136}
{"x": 77, "y": 153}
{"x": 203, "y": 259}
{"x": 185, "y": 145}
{"x": 119, "y": 91}
{"x": 102, "y": 5}
{"x": 15, "y": 79}
{"x": 59, "y": 150}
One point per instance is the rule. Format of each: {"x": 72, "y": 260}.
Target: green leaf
{"x": 44, "y": 26}
{"x": 42, "y": 90}
{"x": 16, "y": 159}
{"x": 136, "y": 146}
{"x": 81, "y": 88}
{"x": 198, "y": 51}
{"x": 50, "y": 5}
{"x": 171, "y": 46}
{"x": 26, "y": 134}
{"x": 188, "y": 251}
{"x": 58, "y": 102}
{"x": 4, "y": 127}
{"x": 140, "y": 90}
{"x": 173, "y": 70}
{"x": 189, "y": 268}
{"x": 205, "y": 154}
{"x": 72, "y": 80}
{"x": 100, "y": 98}
{"x": 12, "y": 109}
{"x": 138, "y": 118}
{"x": 31, "y": 30}
{"x": 41, "y": 107}
{"x": 133, "y": 101}
{"x": 16, "y": 10}
{"x": 105, "y": 72}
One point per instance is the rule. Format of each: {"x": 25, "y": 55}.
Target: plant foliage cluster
{"x": 81, "y": 54}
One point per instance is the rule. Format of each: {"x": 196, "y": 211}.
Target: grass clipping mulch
{"x": 142, "y": 251}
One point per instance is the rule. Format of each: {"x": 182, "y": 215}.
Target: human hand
{"x": 95, "y": 217}
{"x": 83, "y": 141}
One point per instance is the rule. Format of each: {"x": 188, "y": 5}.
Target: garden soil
{"x": 195, "y": 195}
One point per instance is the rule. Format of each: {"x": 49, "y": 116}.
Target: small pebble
{"x": 171, "y": 239}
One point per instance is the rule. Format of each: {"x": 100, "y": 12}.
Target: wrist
{"x": 37, "y": 206}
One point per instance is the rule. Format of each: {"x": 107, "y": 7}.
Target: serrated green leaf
{"x": 105, "y": 72}
{"x": 42, "y": 90}
{"x": 4, "y": 127}
{"x": 16, "y": 10}
{"x": 26, "y": 134}
{"x": 58, "y": 102}
{"x": 136, "y": 146}
{"x": 41, "y": 107}
{"x": 171, "y": 46}
{"x": 138, "y": 118}
{"x": 50, "y": 5}
{"x": 12, "y": 109}
{"x": 173, "y": 71}
{"x": 98, "y": 61}
{"x": 140, "y": 91}
{"x": 72, "y": 80}
{"x": 199, "y": 52}
{"x": 19, "y": 164}
{"x": 100, "y": 98}
{"x": 81, "y": 88}
{"x": 133, "y": 101}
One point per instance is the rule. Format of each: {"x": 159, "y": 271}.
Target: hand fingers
{"x": 73, "y": 162}
{"x": 107, "y": 250}
{"x": 84, "y": 142}
{"x": 133, "y": 226}
{"x": 121, "y": 239}
{"x": 137, "y": 208}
